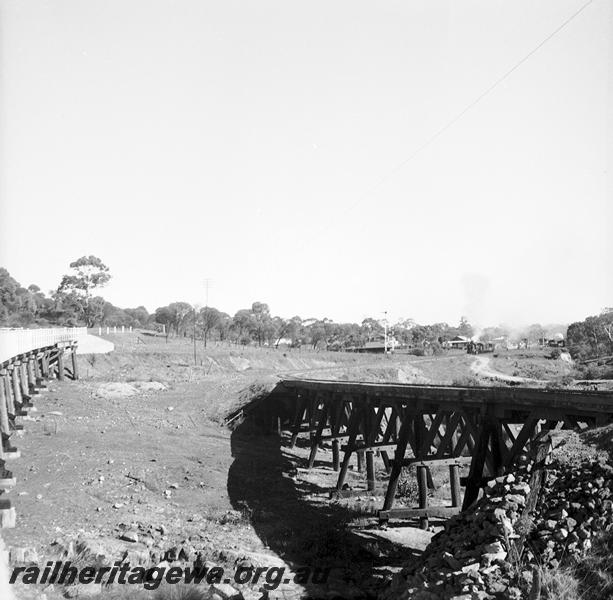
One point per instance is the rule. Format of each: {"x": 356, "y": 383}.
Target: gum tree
{"x": 88, "y": 274}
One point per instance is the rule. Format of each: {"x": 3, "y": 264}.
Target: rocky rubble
{"x": 576, "y": 504}
{"x": 468, "y": 559}
{"x": 475, "y": 556}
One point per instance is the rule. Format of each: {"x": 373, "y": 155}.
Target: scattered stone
{"x": 226, "y": 591}
{"x": 129, "y": 536}
{"x": 83, "y": 590}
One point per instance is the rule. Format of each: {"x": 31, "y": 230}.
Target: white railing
{"x": 18, "y": 341}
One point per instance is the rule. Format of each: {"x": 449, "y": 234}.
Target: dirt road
{"x": 482, "y": 367}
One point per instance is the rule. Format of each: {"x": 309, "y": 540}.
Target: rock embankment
{"x": 576, "y": 505}
{"x": 491, "y": 550}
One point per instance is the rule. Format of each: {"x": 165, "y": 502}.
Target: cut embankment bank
{"x": 156, "y": 360}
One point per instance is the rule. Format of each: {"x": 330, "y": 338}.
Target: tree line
{"x": 76, "y": 302}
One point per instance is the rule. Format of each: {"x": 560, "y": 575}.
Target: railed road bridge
{"x": 483, "y": 430}
{"x": 28, "y": 358}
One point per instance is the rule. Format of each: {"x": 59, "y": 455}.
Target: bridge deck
{"x": 578, "y": 401}
{"x": 427, "y": 425}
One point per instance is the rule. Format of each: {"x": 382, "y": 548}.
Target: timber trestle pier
{"x": 481, "y": 431}
{"x": 28, "y": 358}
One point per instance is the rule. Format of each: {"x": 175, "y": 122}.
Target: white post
{"x": 107, "y": 331}
{"x": 385, "y": 325}
{"x": 123, "y": 329}
{"x": 99, "y": 330}
{"x": 114, "y": 328}
{"x": 130, "y": 328}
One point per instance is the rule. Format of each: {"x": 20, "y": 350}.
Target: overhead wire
{"x": 398, "y": 166}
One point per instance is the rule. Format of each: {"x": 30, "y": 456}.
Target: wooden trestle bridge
{"x": 27, "y": 359}
{"x": 481, "y": 429}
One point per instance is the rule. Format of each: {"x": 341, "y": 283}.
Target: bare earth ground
{"x": 160, "y": 464}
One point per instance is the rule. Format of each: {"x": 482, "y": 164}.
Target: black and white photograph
{"x": 306, "y": 300}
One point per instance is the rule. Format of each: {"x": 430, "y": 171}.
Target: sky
{"x": 327, "y": 158}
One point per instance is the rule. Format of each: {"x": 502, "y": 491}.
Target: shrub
{"x": 182, "y": 592}
{"x": 436, "y": 348}
{"x": 559, "y": 584}
{"x": 560, "y": 382}
{"x": 407, "y": 489}
{"x": 466, "y": 381}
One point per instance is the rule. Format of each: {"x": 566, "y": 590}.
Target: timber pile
{"x": 530, "y": 518}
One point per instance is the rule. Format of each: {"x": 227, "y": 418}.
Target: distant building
{"x": 459, "y": 342}
{"x": 376, "y": 347}
{"x": 557, "y": 341}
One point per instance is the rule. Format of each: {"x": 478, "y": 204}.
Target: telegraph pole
{"x": 195, "y": 357}
{"x": 206, "y": 287}
{"x": 385, "y": 326}
{"x": 205, "y": 330}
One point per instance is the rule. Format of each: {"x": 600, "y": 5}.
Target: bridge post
{"x": 31, "y": 375}
{"x": 475, "y": 477}
{"x": 298, "y": 415}
{"x": 44, "y": 364}
{"x": 422, "y": 471}
{"x": 360, "y": 460}
{"x": 316, "y": 439}
{"x": 401, "y": 448}
{"x": 454, "y": 479}
{"x": 370, "y": 470}
{"x": 496, "y": 447}
{"x": 336, "y": 458}
{"x": 9, "y": 393}
{"x": 36, "y": 365}
{"x": 75, "y": 368}
{"x": 23, "y": 380}
{"x": 4, "y": 417}
{"x": 352, "y": 432}
{"x": 422, "y": 488}
{"x": 313, "y": 408}
{"x": 16, "y": 386}
{"x": 60, "y": 364}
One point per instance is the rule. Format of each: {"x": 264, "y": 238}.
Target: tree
{"x": 180, "y": 311}
{"x": 209, "y": 319}
{"x": 139, "y": 315}
{"x": 89, "y": 274}
{"x": 287, "y": 328}
{"x": 242, "y": 326}
{"x": 262, "y": 321}
{"x": 372, "y": 329}
{"x": 592, "y": 337}
{"x": 163, "y": 315}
